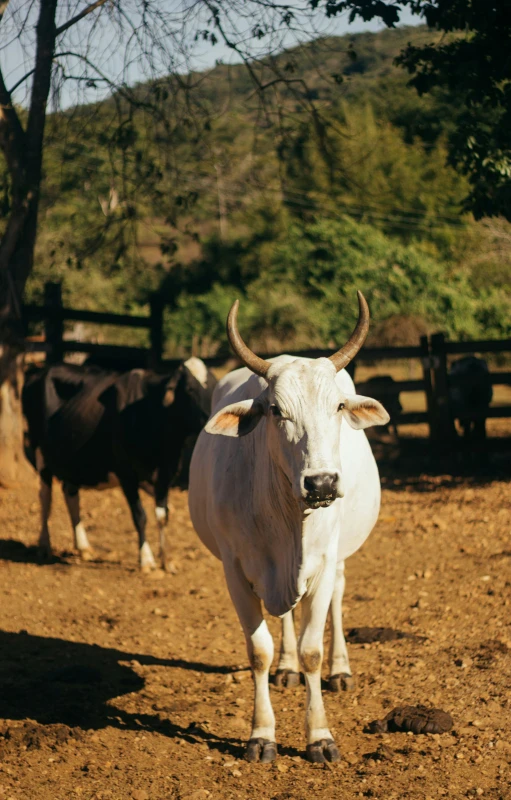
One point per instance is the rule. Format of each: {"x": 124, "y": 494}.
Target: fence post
{"x": 53, "y": 323}
{"x": 427, "y": 364}
{"x": 156, "y": 330}
{"x": 445, "y": 428}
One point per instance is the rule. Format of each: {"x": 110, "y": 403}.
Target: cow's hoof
{"x": 168, "y": 566}
{"x": 261, "y": 750}
{"x": 287, "y": 677}
{"x": 324, "y": 750}
{"x": 344, "y": 682}
{"x": 147, "y": 562}
{"x": 87, "y": 554}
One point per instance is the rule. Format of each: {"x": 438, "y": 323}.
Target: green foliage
{"x": 289, "y": 211}
{"x": 370, "y": 173}
{"x": 473, "y": 66}
{"x": 305, "y": 295}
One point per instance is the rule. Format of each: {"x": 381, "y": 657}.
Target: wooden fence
{"x": 53, "y": 314}
{"x": 432, "y": 352}
{"x": 442, "y": 431}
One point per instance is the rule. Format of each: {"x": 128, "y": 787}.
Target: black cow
{"x": 87, "y": 425}
{"x": 470, "y": 394}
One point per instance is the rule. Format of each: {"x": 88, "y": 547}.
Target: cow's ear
{"x": 237, "y": 419}
{"x": 362, "y": 412}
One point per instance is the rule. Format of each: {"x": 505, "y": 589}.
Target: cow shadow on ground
{"x": 419, "y": 469}
{"x": 430, "y": 479}
{"x": 55, "y": 682}
{"x": 18, "y": 552}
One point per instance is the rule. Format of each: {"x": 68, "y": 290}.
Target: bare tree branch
{"x": 10, "y": 238}
{"x": 21, "y": 80}
{"x": 12, "y": 136}
{"x": 11, "y": 131}
{"x": 94, "y": 67}
{"x": 233, "y": 45}
{"x": 46, "y": 34}
{"x": 80, "y": 16}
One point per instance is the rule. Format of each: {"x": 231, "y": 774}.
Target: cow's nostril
{"x": 311, "y": 483}
{"x": 321, "y": 485}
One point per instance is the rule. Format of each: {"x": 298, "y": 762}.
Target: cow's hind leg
{"x": 261, "y": 746}
{"x": 161, "y": 493}
{"x": 480, "y": 453}
{"x": 72, "y": 498}
{"x": 44, "y": 547}
{"x": 162, "y": 518}
{"x": 288, "y": 670}
{"x": 340, "y": 670}
{"x": 320, "y": 744}
{"x": 130, "y": 488}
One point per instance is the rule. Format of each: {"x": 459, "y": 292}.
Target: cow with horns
{"x": 93, "y": 427}
{"x": 283, "y": 493}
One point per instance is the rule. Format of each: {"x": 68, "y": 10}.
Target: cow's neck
{"x": 293, "y": 544}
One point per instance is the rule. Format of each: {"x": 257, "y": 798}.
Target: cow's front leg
{"x": 320, "y": 744}
{"x": 288, "y": 670}
{"x": 340, "y": 670}
{"x": 72, "y": 498}
{"x": 129, "y": 486}
{"x": 261, "y": 746}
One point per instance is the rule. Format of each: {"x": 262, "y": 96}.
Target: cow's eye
{"x": 341, "y": 406}
{"x": 275, "y": 410}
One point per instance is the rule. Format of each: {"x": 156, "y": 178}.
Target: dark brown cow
{"x": 87, "y": 425}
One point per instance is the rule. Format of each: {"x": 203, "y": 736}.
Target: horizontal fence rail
{"x": 402, "y": 386}
{"x": 478, "y": 346}
{"x": 121, "y": 351}
{"x": 54, "y": 314}
{"x": 432, "y": 352}
{"x": 34, "y": 313}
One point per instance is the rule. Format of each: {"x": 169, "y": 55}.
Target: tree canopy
{"x": 289, "y": 217}
{"x": 194, "y": 183}
{"x": 472, "y": 61}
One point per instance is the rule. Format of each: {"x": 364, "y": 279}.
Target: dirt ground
{"x": 118, "y": 685}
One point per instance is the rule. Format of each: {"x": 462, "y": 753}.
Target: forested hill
{"x": 335, "y": 180}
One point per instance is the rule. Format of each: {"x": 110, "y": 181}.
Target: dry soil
{"x": 119, "y": 685}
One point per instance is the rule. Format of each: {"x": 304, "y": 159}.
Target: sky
{"x": 16, "y": 57}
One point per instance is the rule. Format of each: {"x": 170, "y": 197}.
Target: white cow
{"x": 283, "y": 506}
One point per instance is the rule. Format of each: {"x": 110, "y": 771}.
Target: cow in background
{"x": 470, "y": 395}
{"x": 87, "y": 426}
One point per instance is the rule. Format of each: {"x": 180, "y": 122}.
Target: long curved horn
{"x": 343, "y": 356}
{"x": 244, "y": 353}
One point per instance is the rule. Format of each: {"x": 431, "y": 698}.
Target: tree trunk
{"x": 14, "y": 467}
{"x": 23, "y": 152}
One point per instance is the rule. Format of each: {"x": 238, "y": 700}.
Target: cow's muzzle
{"x": 321, "y": 489}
